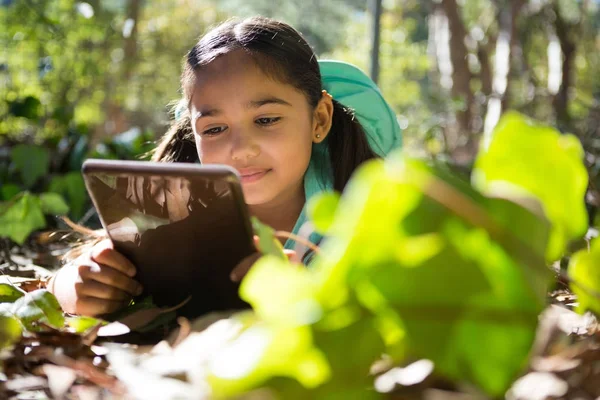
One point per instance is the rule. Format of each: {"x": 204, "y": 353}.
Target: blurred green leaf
{"x": 81, "y": 323}
{"x": 267, "y": 242}
{"x": 405, "y": 241}
{"x": 584, "y": 272}
{"x": 321, "y": 210}
{"x": 29, "y": 107}
{"x": 281, "y": 292}
{"x": 79, "y": 153}
{"x": 21, "y": 218}
{"x": 8, "y": 191}
{"x": 9, "y": 293}
{"x": 31, "y": 161}
{"x": 527, "y": 159}
{"x": 10, "y": 330}
{"x": 263, "y": 351}
{"x": 72, "y": 188}
{"x": 53, "y": 204}
{"x": 39, "y": 306}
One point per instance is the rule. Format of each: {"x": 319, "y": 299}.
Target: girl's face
{"x": 263, "y": 128}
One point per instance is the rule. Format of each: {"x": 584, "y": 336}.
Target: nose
{"x": 243, "y": 146}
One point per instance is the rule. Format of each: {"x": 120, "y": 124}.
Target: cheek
{"x": 210, "y": 152}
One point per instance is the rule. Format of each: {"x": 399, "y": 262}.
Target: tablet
{"x": 184, "y": 226}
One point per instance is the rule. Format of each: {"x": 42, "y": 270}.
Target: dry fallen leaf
{"x": 412, "y": 374}
{"x": 136, "y": 320}
{"x": 538, "y": 386}
{"x": 60, "y": 379}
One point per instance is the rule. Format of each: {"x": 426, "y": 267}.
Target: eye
{"x": 267, "y": 120}
{"x": 214, "y": 131}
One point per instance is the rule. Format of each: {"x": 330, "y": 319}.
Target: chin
{"x": 255, "y": 197}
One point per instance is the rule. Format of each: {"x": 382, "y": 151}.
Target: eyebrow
{"x": 212, "y": 112}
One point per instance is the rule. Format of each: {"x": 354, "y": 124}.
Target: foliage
{"x": 556, "y": 175}
{"x": 24, "y": 214}
{"x": 417, "y": 264}
{"x": 585, "y": 277}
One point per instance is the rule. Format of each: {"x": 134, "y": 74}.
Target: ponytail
{"x": 177, "y": 145}
{"x": 348, "y": 145}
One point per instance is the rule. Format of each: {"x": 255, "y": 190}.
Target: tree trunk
{"x": 499, "y": 97}
{"x": 130, "y": 32}
{"x": 568, "y": 47}
{"x": 376, "y": 11}
{"x": 461, "y": 74}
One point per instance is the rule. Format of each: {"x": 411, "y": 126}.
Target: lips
{"x": 250, "y": 175}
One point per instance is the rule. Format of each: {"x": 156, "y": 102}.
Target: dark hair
{"x": 283, "y": 54}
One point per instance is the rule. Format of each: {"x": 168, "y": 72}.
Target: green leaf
{"x": 9, "y": 293}
{"x": 527, "y": 159}
{"x": 349, "y": 365}
{"x": 81, "y": 324}
{"x": 39, "y": 306}
{"x": 267, "y": 242}
{"x": 30, "y": 107}
{"x": 21, "y": 218}
{"x": 264, "y": 351}
{"x": 321, "y": 210}
{"x": 72, "y": 188}
{"x": 405, "y": 242}
{"x": 53, "y": 203}
{"x": 584, "y": 272}
{"x": 31, "y": 161}
{"x": 281, "y": 292}
{"x": 9, "y": 190}
{"x": 10, "y": 330}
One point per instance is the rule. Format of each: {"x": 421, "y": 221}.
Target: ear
{"x": 322, "y": 118}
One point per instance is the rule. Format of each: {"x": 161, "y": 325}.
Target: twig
{"x": 588, "y": 290}
{"x": 184, "y": 331}
{"x": 83, "y": 229}
{"x": 299, "y": 239}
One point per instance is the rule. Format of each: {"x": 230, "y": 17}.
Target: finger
{"x": 93, "y": 306}
{"x": 105, "y": 254}
{"x": 243, "y": 267}
{"x": 101, "y": 291}
{"x": 112, "y": 277}
{"x": 256, "y": 241}
{"x": 289, "y": 253}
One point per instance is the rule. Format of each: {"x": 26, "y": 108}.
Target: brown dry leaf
{"x": 556, "y": 363}
{"x": 438, "y": 394}
{"x": 172, "y": 372}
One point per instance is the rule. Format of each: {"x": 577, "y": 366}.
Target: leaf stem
{"x": 299, "y": 239}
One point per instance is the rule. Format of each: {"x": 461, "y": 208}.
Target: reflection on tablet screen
{"x": 183, "y": 234}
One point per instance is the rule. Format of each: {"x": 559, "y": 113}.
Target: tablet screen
{"x": 184, "y": 234}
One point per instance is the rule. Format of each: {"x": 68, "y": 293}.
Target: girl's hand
{"x": 98, "y": 282}
{"x": 244, "y": 266}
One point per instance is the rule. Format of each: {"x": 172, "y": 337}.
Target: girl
{"x": 255, "y": 99}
